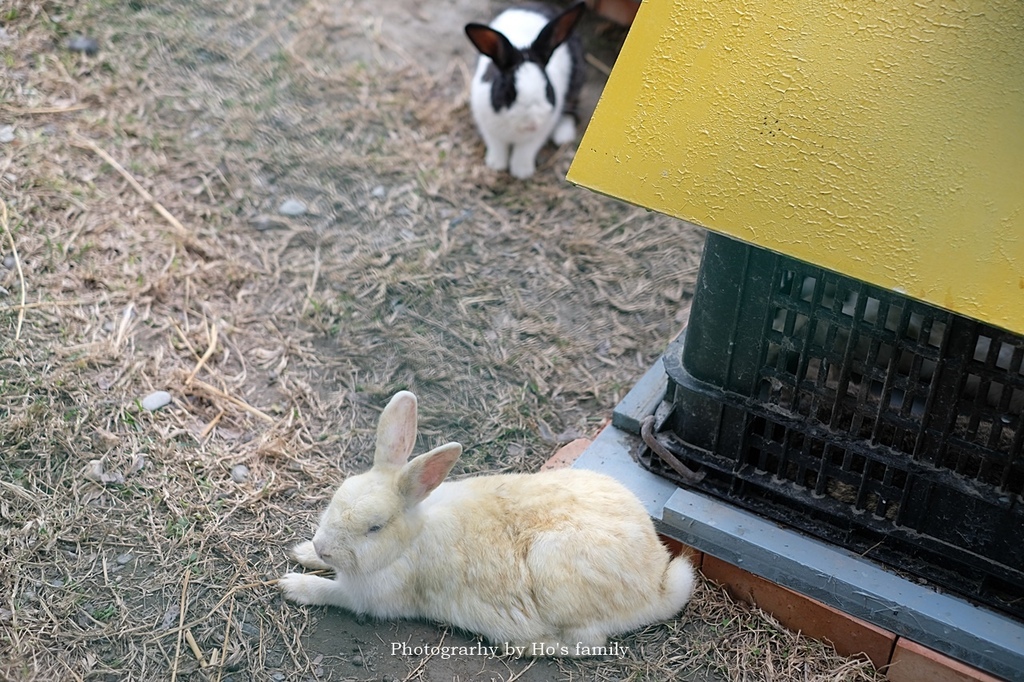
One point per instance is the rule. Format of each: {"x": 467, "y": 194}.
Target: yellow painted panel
{"x": 884, "y": 140}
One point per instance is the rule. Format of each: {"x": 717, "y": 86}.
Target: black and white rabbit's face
{"x": 525, "y": 97}
{"x": 518, "y": 60}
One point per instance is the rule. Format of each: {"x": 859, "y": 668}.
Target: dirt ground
{"x": 278, "y": 213}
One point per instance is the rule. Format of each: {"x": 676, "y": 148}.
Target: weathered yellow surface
{"x": 881, "y": 140}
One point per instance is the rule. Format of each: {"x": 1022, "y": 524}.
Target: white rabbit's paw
{"x": 524, "y": 158}
{"x": 304, "y": 554}
{"x": 497, "y": 158}
{"x": 522, "y": 168}
{"x": 300, "y": 588}
{"x": 565, "y": 131}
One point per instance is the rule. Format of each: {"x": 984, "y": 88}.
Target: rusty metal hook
{"x": 658, "y": 448}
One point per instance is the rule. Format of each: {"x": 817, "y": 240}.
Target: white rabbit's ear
{"x": 396, "y": 431}
{"x": 424, "y": 473}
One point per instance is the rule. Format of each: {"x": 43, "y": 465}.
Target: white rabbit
{"x": 561, "y": 558}
{"x": 527, "y": 83}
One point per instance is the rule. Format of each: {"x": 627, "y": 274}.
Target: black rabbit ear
{"x": 493, "y": 44}
{"x": 556, "y": 32}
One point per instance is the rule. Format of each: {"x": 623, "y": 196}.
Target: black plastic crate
{"x": 876, "y": 422}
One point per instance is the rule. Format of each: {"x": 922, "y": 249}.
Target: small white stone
{"x": 83, "y": 44}
{"x": 156, "y": 400}
{"x": 6, "y": 133}
{"x": 292, "y": 207}
{"x": 239, "y": 473}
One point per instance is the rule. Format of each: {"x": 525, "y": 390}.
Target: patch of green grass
{"x": 105, "y": 613}
{"x": 178, "y": 527}
{"x": 129, "y": 418}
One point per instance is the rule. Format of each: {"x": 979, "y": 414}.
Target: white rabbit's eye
{"x": 374, "y": 528}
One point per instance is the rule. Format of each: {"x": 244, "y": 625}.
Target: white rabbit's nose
{"x": 318, "y": 547}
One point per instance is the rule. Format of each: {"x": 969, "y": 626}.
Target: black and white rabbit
{"x": 527, "y": 83}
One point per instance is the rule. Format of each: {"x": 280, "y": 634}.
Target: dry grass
{"x": 142, "y": 250}
{"x": 723, "y": 640}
